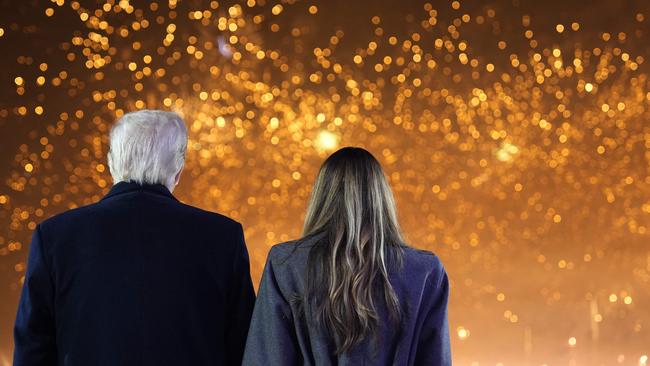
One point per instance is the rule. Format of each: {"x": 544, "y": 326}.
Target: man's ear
{"x": 177, "y": 177}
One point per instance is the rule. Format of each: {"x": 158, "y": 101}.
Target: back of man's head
{"x": 148, "y": 147}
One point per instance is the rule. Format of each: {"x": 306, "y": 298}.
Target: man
{"x": 137, "y": 278}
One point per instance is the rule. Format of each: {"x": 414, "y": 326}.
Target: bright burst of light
{"x": 507, "y": 151}
{"x": 463, "y": 333}
{"x": 572, "y": 341}
{"x": 327, "y": 140}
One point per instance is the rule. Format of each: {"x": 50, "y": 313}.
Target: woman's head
{"x": 353, "y": 207}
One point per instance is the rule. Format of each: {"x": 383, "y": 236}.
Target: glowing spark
{"x": 507, "y": 151}
{"x": 327, "y": 140}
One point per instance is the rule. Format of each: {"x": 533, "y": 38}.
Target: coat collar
{"x": 125, "y": 187}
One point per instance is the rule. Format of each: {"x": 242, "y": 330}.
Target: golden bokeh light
{"x": 327, "y": 141}
{"x": 514, "y": 134}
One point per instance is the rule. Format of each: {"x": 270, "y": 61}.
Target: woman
{"x": 350, "y": 292}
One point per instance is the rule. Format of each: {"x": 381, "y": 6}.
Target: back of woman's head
{"x": 352, "y": 210}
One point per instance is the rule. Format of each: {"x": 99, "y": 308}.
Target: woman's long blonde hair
{"x": 352, "y": 211}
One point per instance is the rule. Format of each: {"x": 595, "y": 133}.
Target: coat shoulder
{"x": 77, "y": 215}
{"x": 424, "y": 262}
{"x": 102, "y": 210}
{"x": 210, "y": 216}
{"x": 423, "y": 256}
{"x": 291, "y": 251}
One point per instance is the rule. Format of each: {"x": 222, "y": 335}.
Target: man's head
{"x": 148, "y": 147}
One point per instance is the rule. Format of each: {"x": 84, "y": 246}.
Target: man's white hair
{"x": 148, "y": 147}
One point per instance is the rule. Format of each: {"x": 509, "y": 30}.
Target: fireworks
{"x": 515, "y": 137}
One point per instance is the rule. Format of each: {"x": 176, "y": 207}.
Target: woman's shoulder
{"x": 287, "y": 262}
{"x": 422, "y": 255}
{"x": 292, "y": 245}
{"x": 291, "y": 252}
{"x": 423, "y": 262}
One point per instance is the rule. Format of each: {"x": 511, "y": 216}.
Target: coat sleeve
{"x": 241, "y": 301}
{"x": 34, "y": 329}
{"x": 272, "y": 338}
{"x": 433, "y": 345}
